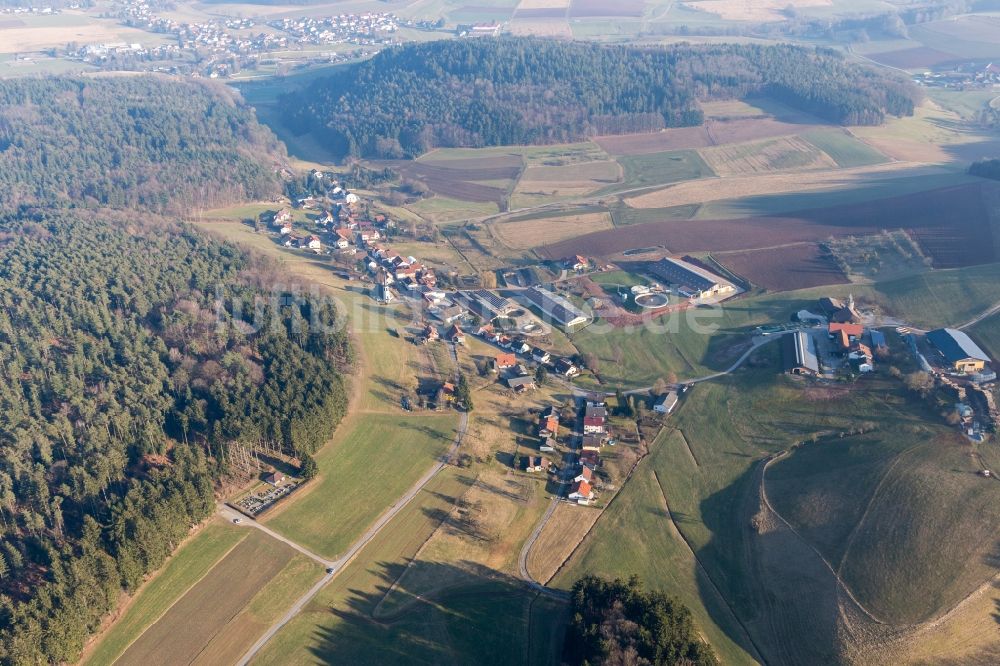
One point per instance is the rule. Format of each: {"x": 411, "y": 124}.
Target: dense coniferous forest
{"x": 483, "y": 92}
{"x": 132, "y": 355}
{"x": 131, "y": 142}
{"x": 617, "y": 622}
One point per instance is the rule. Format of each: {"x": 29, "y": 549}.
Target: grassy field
{"x": 184, "y": 569}
{"x": 638, "y": 357}
{"x": 987, "y": 334}
{"x": 243, "y": 593}
{"x": 885, "y": 256}
{"x": 528, "y": 234}
{"x": 890, "y": 499}
{"x": 485, "y": 621}
{"x": 360, "y": 476}
{"x": 635, "y": 536}
{"x": 662, "y": 168}
{"x": 845, "y": 150}
{"x": 441, "y": 210}
{"x": 780, "y": 154}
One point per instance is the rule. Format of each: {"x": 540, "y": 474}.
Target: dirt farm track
{"x": 955, "y": 226}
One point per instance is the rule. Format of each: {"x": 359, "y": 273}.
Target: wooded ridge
{"x": 505, "y": 91}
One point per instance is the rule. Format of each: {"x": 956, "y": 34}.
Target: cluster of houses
{"x": 514, "y": 371}
{"x": 595, "y": 435}
{"x": 394, "y": 271}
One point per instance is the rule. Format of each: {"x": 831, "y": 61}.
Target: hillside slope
{"x": 486, "y": 92}
{"x": 145, "y": 142}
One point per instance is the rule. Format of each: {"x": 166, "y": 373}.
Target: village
{"x": 833, "y": 341}
{"x": 222, "y": 47}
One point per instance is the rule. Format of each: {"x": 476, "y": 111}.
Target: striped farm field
{"x": 778, "y": 154}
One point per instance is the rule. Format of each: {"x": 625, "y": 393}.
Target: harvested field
{"x": 738, "y": 187}
{"x": 528, "y": 234}
{"x": 542, "y": 4}
{"x": 753, "y": 10}
{"x": 920, "y": 56}
{"x": 454, "y": 180}
{"x": 541, "y": 27}
{"x": 784, "y": 268}
{"x": 541, "y": 13}
{"x": 191, "y": 623}
{"x": 576, "y": 179}
{"x": 680, "y": 138}
{"x": 713, "y": 133}
{"x": 953, "y": 225}
{"x": 456, "y": 160}
{"x": 780, "y": 154}
{"x": 566, "y": 528}
{"x": 597, "y": 8}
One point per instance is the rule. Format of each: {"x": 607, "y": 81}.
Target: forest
{"x": 148, "y": 142}
{"x": 986, "y": 168}
{"x": 485, "y": 92}
{"x": 134, "y": 353}
{"x": 618, "y": 622}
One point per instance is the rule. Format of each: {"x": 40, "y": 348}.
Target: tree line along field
{"x": 751, "y": 569}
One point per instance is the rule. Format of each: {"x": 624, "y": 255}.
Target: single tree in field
{"x": 541, "y": 374}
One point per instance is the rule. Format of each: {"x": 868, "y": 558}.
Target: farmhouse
{"x": 539, "y": 355}
{"x": 595, "y": 410}
{"x": 451, "y": 314}
{"x": 555, "y": 306}
{"x": 958, "y": 349}
{"x": 504, "y": 361}
{"x": 566, "y": 368}
{"x": 665, "y": 403}
{"x": 593, "y": 425}
{"x": 591, "y": 443}
{"x": 837, "y": 312}
{"x": 456, "y": 335}
{"x": 590, "y": 459}
{"x": 581, "y": 492}
{"x": 693, "y": 279}
{"x": 800, "y": 354}
{"x": 586, "y": 474}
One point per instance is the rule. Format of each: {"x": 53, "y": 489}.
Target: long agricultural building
{"x": 695, "y": 280}
{"x": 555, "y": 306}
{"x": 800, "y": 354}
{"x": 958, "y": 350}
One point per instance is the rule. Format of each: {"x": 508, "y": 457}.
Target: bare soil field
{"x": 953, "y": 225}
{"x": 753, "y": 10}
{"x": 596, "y": 8}
{"x": 713, "y": 133}
{"x": 778, "y": 154}
{"x": 454, "y": 182}
{"x": 783, "y": 268}
{"x": 541, "y": 12}
{"x": 438, "y": 158}
{"x": 738, "y": 187}
{"x": 527, "y": 234}
{"x": 679, "y": 138}
{"x": 920, "y": 56}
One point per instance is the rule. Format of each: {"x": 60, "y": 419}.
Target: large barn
{"x": 693, "y": 279}
{"x": 555, "y": 306}
{"x": 958, "y": 349}
{"x": 800, "y": 354}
